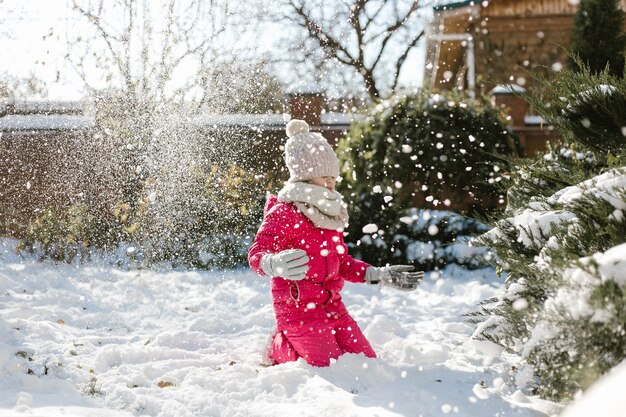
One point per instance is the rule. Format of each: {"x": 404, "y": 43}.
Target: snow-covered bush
{"x": 560, "y": 166}
{"x": 428, "y": 151}
{"x": 565, "y": 306}
{"x": 562, "y": 244}
{"x": 425, "y": 238}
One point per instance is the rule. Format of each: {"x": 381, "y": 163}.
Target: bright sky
{"x": 27, "y": 46}
{"x": 34, "y": 36}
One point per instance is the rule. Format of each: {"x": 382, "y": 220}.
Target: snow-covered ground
{"x": 93, "y": 340}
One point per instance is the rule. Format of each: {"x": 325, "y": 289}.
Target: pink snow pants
{"x": 319, "y": 342}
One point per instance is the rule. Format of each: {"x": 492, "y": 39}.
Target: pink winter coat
{"x": 312, "y": 322}
{"x": 285, "y": 227}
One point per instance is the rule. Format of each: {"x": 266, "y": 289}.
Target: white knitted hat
{"x": 308, "y": 155}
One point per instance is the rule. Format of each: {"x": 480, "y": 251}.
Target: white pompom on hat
{"x": 307, "y": 154}
{"x": 296, "y": 126}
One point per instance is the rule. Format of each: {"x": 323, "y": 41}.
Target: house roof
{"x": 507, "y": 89}
{"x": 303, "y": 88}
{"x": 454, "y": 5}
{"x": 44, "y": 122}
{"x": 534, "y": 120}
{"x": 41, "y": 107}
{"x": 270, "y": 121}
{"x": 56, "y": 116}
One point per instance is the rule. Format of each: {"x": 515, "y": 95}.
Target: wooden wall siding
{"x": 537, "y": 43}
{"x": 511, "y": 37}
{"x": 524, "y": 8}
{"x": 532, "y": 7}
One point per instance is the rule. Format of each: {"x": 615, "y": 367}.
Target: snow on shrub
{"x": 428, "y": 239}
{"x": 435, "y": 151}
{"x": 564, "y": 309}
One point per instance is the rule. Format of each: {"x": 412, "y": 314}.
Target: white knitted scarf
{"x": 325, "y": 208}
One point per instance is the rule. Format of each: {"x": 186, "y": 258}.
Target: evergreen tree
{"x": 598, "y": 36}
{"x": 557, "y": 241}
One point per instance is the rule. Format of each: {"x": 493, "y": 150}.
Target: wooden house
{"x": 509, "y": 38}
{"x": 483, "y": 45}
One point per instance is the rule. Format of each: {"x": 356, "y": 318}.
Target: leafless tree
{"x": 372, "y": 38}
{"x": 162, "y": 50}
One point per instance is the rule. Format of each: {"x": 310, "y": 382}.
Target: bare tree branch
{"x": 107, "y": 37}
{"x": 391, "y": 30}
{"x": 370, "y": 19}
{"x": 403, "y": 57}
{"x": 362, "y": 35}
{"x": 142, "y": 45}
{"x": 325, "y": 40}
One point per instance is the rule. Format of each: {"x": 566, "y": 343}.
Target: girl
{"x": 300, "y": 245}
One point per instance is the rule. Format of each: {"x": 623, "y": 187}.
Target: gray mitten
{"x": 289, "y": 264}
{"x": 402, "y": 277}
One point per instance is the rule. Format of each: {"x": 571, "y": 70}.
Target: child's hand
{"x": 402, "y": 277}
{"x": 289, "y": 264}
